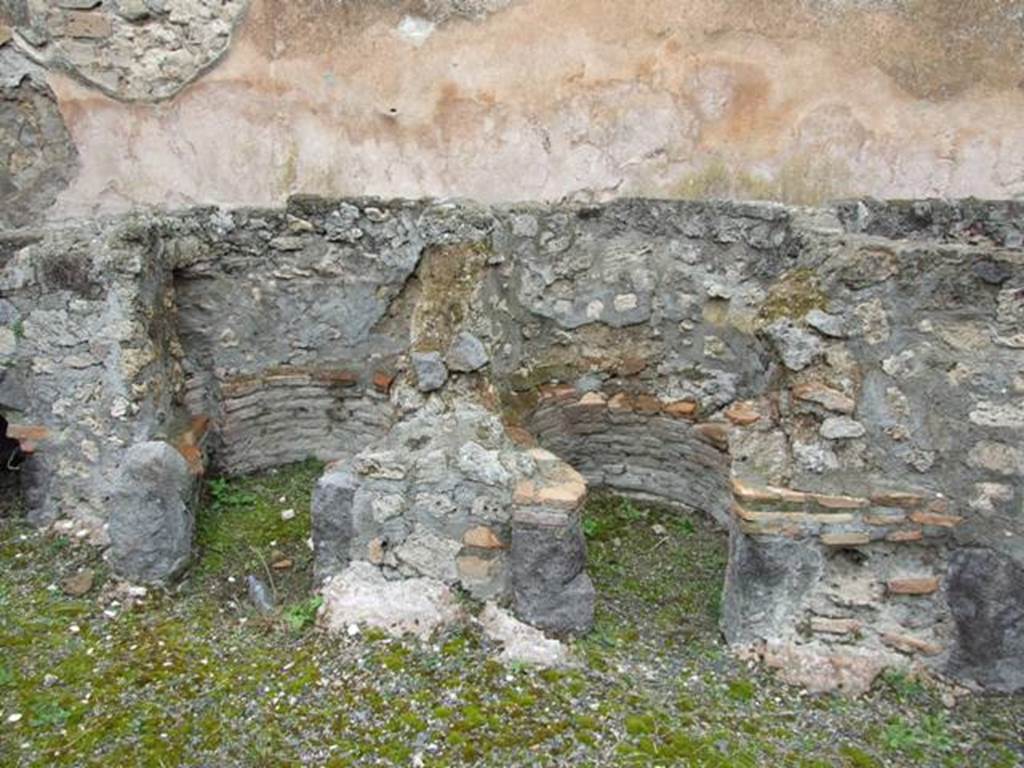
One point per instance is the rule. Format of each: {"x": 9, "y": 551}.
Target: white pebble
{"x": 74, "y": 629}
{"x": 287, "y": 514}
{"x": 353, "y": 630}
{"x": 13, "y": 718}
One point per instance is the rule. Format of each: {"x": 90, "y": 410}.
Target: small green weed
{"x": 931, "y": 733}
{"x": 226, "y": 494}
{"x": 741, "y": 690}
{"x": 300, "y": 615}
{"x": 49, "y": 714}
{"x": 858, "y": 758}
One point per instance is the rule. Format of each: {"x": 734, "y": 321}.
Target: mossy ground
{"x": 197, "y": 678}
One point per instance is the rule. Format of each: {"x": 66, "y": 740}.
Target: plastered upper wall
{"x": 798, "y": 100}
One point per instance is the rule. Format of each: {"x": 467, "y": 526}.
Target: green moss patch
{"x": 793, "y": 296}
{"x": 195, "y": 676}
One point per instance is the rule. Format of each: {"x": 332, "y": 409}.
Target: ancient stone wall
{"x": 840, "y": 386}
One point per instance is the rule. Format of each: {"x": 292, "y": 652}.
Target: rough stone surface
{"x": 415, "y": 505}
{"x": 130, "y": 49}
{"x": 151, "y": 516}
{"x": 826, "y": 324}
{"x": 361, "y": 595}
{"x": 986, "y": 596}
{"x": 37, "y": 156}
{"x": 466, "y": 353}
{"x": 841, "y": 428}
{"x": 630, "y": 340}
{"x": 765, "y": 583}
{"x": 431, "y": 372}
{"x": 796, "y": 347}
{"x": 521, "y": 643}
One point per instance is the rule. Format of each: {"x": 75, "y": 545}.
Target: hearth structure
{"x": 841, "y": 388}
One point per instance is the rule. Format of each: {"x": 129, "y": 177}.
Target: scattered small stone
{"x": 78, "y": 584}
{"x": 260, "y": 595}
{"x": 797, "y": 348}
{"x": 431, "y": 372}
{"x": 74, "y": 629}
{"x": 826, "y": 324}
{"x": 659, "y": 530}
{"x": 522, "y": 643}
{"x": 14, "y": 717}
{"x": 287, "y": 514}
{"x": 742, "y": 414}
{"x": 132, "y": 10}
{"x": 841, "y": 428}
{"x": 467, "y": 353}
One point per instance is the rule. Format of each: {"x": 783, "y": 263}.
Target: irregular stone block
{"x": 550, "y": 588}
{"x": 132, "y": 10}
{"x": 986, "y": 596}
{"x": 467, "y": 353}
{"x": 826, "y": 324}
{"x": 85, "y": 24}
{"x": 766, "y": 583}
{"x": 841, "y": 428}
{"x": 797, "y": 348}
{"x": 522, "y": 644}
{"x": 331, "y": 513}
{"x": 361, "y": 595}
{"x": 821, "y": 669}
{"x": 430, "y": 555}
{"x": 152, "y": 517}
{"x": 431, "y": 372}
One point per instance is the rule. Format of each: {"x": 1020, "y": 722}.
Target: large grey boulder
{"x": 766, "y": 583}
{"x": 152, "y": 517}
{"x": 551, "y": 588}
{"x": 986, "y": 597}
{"x": 332, "y": 521}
